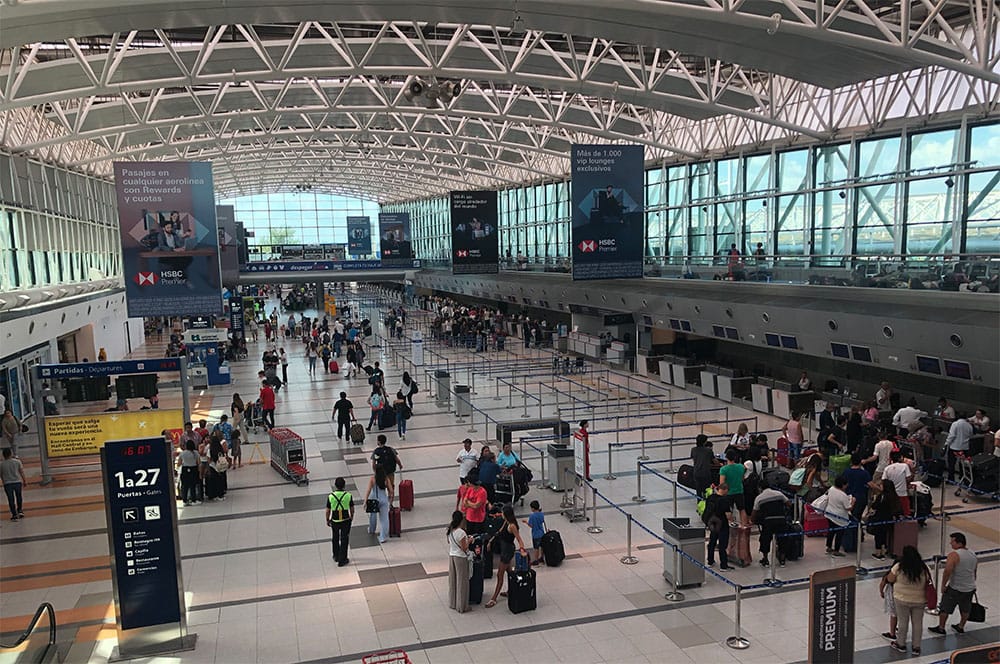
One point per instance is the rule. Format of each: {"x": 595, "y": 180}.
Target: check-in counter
{"x": 729, "y": 389}
{"x": 784, "y": 402}
{"x": 760, "y": 394}
{"x": 687, "y": 377}
{"x": 666, "y": 372}
{"x": 708, "y": 383}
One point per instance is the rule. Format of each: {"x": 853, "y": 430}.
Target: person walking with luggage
{"x": 959, "y": 583}
{"x": 885, "y": 510}
{"x": 377, "y": 401}
{"x": 909, "y": 578}
{"x": 343, "y": 413}
{"x": 837, "y": 510}
{"x": 378, "y": 497}
{"x": 718, "y": 517}
{"x": 458, "y": 563}
{"x": 339, "y": 515}
{"x": 402, "y": 414}
{"x": 387, "y": 459}
{"x": 408, "y": 387}
{"x": 504, "y": 543}
{"x": 731, "y": 475}
{"x": 12, "y": 476}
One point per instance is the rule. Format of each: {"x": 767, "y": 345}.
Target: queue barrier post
{"x": 628, "y": 558}
{"x": 674, "y": 485}
{"x": 941, "y": 554}
{"x": 541, "y": 463}
{"x": 737, "y": 641}
{"x": 642, "y": 455}
{"x": 773, "y": 581}
{"x": 524, "y": 391}
{"x": 675, "y": 595}
{"x": 565, "y": 504}
{"x": 611, "y": 472}
{"x": 859, "y": 569}
{"x": 593, "y": 529}
{"x": 498, "y": 397}
{"x": 638, "y": 497}
{"x": 472, "y": 420}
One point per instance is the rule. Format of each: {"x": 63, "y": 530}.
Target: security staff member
{"x": 339, "y": 514}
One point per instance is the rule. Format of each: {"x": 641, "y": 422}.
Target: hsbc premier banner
{"x": 394, "y": 237}
{"x": 475, "y": 245}
{"x": 359, "y": 236}
{"x": 608, "y": 223}
{"x": 170, "y": 241}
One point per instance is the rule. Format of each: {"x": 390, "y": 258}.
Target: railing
{"x": 47, "y": 608}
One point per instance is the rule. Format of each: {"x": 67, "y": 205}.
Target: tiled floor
{"x": 261, "y": 585}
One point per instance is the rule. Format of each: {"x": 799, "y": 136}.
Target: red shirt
{"x": 267, "y": 398}
{"x": 475, "y": 494}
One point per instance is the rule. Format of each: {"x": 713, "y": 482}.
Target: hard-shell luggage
{"x": 838, "y": 464}
{"x": 476, "y": 581}
{"x": 521, "y": 591}
{"x": 814, "y": 524}
{"x": 552, "y": 548}
{"x": 406, "y": 495}
{"x": 902, "y": 534}
{"x": 934, "y": 470}
{"x": 923, "y": 505}
{"x": 850, "y": 539}
{"x": 685, "y": 476}
{"x": 357, "y": 433}
{"x": 783, "y": 458}
{"x": 334, "y": 366}
{"x": 793, "y": 544}
{"x": 486, "y": 554}
{"x": 739, "y": 545}
{"x": 774, "y": 478}
{"x": 395, "y": 522}
{"x": 386, "y": 418}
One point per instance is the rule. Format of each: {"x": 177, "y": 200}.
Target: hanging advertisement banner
{"x": 608, "y": 221}
{"x": 359, "y": 236}
{"x": 170, "y": 241}
{"x": 229, "y": 259}
{"x": 394, "y": 236}
{"x": 74, "y": 435}
{"x": 475, "y": 243}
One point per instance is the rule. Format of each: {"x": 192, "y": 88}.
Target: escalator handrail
{"x": 43, "y": 608}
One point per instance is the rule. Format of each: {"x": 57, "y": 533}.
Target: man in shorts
{"x": 959, "y": 583}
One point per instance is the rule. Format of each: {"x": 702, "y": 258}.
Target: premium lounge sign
{"x": 831, "y": 625}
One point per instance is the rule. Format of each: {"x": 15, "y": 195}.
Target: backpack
{"x": 376, "y": 401}
{"x": 708, "y": 508}
{"x": 413, "y": 387}
{"x": 702, "y": 502}
{"x": 751, "y": 482}
{"x": 385, "y": 458}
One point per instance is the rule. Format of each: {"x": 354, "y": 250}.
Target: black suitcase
{"x": 521, "y": 591}
{"x": 484, "y": 553}
{"x": 774, "y": 478}
{"x": 476, "y": 581}
{"x": 503, "y": 490}
{"x": 685, "y": 477}
{"x": 793, "y": 546}
{"x": 386, "y": 418}
{"x": 934, "y": 472}
{"x": 985, "y": 465}
{"x": 923, "y": 504}
{"x": 552, "y": 548}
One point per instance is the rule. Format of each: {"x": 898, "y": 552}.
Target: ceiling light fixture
{"x": 774, "y": 23}
{"x": 432, "y": 92}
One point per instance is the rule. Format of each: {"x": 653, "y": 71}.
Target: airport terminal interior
{"x": 644, "y": 243}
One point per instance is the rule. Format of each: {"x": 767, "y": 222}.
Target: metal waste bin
{"x": 442, "y": 387}
{"x": 691, "y": 540}
{"x": 560, "y": 467}
{"x": 463, "y": 400}
{"x": 198, "y": 377}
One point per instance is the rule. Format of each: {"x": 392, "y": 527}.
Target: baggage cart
{"x": 288, "y": 455}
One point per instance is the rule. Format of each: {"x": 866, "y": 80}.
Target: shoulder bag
{"x": 930, "y": 592}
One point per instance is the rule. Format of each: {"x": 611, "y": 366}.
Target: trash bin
{"x": 199, "y": 377}
{"x": 463, "y": 400}
{"x": 442, "y": 387}
{"x": 560, "y": 462}
{"x": 691, "y": 539}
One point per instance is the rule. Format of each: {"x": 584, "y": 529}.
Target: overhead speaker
{"x": 413, "y": 89}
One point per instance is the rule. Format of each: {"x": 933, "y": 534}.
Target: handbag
{"x": 977, "y": 613}
{"x": 372, "y": 506}
{"x": 469, "y": 555}
{"x": 222, "y": 465}
{"x": 930, "y": 592}
{"x": 821, "y": 503}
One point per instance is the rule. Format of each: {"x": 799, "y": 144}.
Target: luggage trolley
{"x": 288, "y": 455}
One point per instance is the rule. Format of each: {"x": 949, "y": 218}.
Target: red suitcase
{"x": 406, "y": 495}
{"x": 902, "y": 534}
{"x": 814, "y": 523}
{"x": 782, "y": 457}
{"x": 739, "y": 546}
{"x": 395, "y": 522}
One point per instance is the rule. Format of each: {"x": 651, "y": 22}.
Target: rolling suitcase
{"x": 850, "y": 540}
{"x": 386, "y": 418}
{"x": 521, "y": 591}
{"x": 395, "y": 522}
{"x": 923, "y": 507}
{"x": 685, "y": 477}
{"x": 739, "y": 545}
{"x": 358, "y": 433}
{"x": 774, "y": 478}
{"x": 476, "y": 581}
{"x": 552, "y": 548}
{"x": 902, "y": 534}
{"x": 838, "y": 464}
{"x": 934, "y": 472}
{"x": 814, "y": 524}
{"x": 406, "y": 494}
{"x": 782, "y": 457}
{"x": 503, "y": 490}
{"x": 485, "y": 554}
{"x": 793, "y": 544}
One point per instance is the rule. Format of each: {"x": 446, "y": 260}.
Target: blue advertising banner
{"x": 475, "y": 242}
{"x": 324, "y": 266}
{"x": 142, "y": 531}
{"x": 608, "y": 221}
{"x": 394, "y": 235}
{"x": 359, "y": 236}
{"x": 83, "y": 369}
{"x": 170, "y": 241}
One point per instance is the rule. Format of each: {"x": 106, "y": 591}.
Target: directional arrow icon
{"x": 130, "y": 514}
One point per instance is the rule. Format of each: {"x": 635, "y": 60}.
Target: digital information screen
{"x": 142, "y": 531}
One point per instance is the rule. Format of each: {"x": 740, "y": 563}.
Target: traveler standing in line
{"x": 504, "y": 543}
{"x": 703, "y": 459}
{"x": 883, "y": 396}
{"x": 718, "y": 515}
{"x": 909, "y": 578}
{"x": 339, "y": 515}
{"x": 473, "y": 503}
{"x": 283, "y": 358}
{"x": 959, "y": 434}
{"x": 267, "y": 405}
{"x": 792, "y": 431}
{"x": 466, "y": 460}
{"x": 885, "y": 510}
{"x": 488, "y": 471}
{"x": 857, "y": 486}
{"x": 900, "y": 474}
{"x": 343, "y": 412}
{"x": 379, "y": 489}
{"x": 458, "y": 563}
{"x": 236, "y": 450}
{"x": 12, "y": 476}
{"x": 959, "y": 583}
{"x": 190, "y": 478}
{"x": 732, "y": 476}
{"x": 837, "y": 511}
{"x": 769, "y": 510}
{"x": 237, "y": 409}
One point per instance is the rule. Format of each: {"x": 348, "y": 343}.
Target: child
{"x": 885, "y": 590}
{"x": 537, "y": 522}
{"x": 234, "y": 448}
